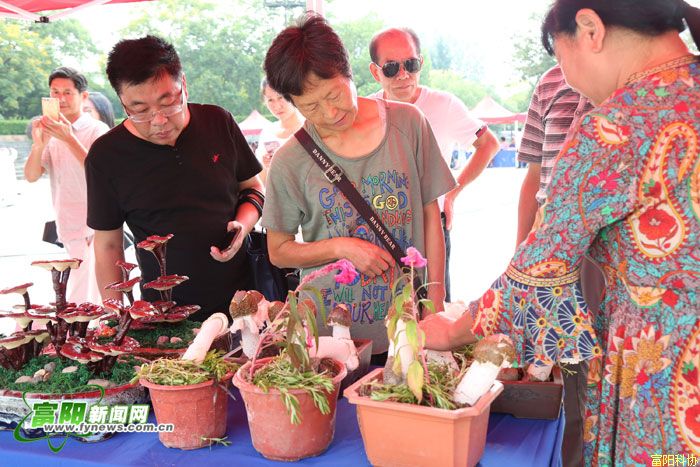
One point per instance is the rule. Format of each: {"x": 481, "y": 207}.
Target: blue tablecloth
{"x": 510, "y": 442}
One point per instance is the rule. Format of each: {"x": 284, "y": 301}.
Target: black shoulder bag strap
{"x": 336, "y": 176}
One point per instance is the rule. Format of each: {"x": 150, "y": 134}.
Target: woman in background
{"x": 289, "y": 120}
{"x": 99, "y": 107}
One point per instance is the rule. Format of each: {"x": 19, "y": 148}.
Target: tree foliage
{"x": 530, "y": 58}
{"x": 356, "y": 36}
{"x": 468, "y": 91}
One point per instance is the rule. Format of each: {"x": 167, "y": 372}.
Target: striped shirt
{"x": 554, "y": 109}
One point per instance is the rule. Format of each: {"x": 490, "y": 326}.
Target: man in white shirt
{"x": 396, "y": 65}
{"x": 59, "y": 148}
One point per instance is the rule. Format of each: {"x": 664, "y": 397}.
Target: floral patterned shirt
{"x": 626, "y": 192}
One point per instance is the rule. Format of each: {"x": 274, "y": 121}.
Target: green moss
{"x": 64, "y": 383}
{"x": 149, "y": 337}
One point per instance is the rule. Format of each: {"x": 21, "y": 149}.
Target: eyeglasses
{"x": 391, "y": 68}
{"x": 166, "y": 111}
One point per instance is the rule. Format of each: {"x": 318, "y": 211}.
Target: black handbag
{"x": 268, "y": 279}
{"x": 50, "y": 235}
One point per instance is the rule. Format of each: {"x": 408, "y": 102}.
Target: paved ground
{"x": 483, "y": 236}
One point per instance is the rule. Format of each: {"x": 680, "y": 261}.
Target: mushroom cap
{"x": 22, "y": 317}
{"x": 274, "y": 309}
{"x": 142, "y": 309}
{"x": 163, "y": 305}
{"x": 76, "y": 348}
{"x": 20, "y": 289}
{"x": 496, "y": 348}
{"x": 244, "y": 303}
{"x": 153, "y": 242}
{"x": 166, "y": 282}
{"x": 39, "y": 335}
{"x": 15, "y": 340}
{"x": 340, "y": 315}
{"x": 128, "y": 345}
{"x": 125, "y": 286}
{"x": 82, "y": 313}
{"x": 113, "y": 304}
{"x": 59, "y": 265}
{"x": 173, "y": 315}
{"x": 126, "y": 267}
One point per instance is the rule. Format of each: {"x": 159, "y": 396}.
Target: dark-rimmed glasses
{"x": 391, "y": 68}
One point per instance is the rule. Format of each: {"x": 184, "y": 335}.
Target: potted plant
{"x": 190, "y": 396}
{"x": 291, "y": 398}
{"x": 414, "y": 412}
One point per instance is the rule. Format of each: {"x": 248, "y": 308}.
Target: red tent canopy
{"x": 26, "y": 9}
{"x": 491, "y": 111}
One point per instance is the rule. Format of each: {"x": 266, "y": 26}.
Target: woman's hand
{"x": 368, "y": 258}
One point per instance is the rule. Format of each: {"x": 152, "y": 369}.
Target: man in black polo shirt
{"x": 172, "y": 167}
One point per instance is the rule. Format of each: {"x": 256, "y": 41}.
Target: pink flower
{"x": 413, "y": 258}
{"x": 347, "y": 273}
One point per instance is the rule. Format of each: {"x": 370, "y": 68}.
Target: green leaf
{"x": 414, "y": 379}
{"x": 428, "y": 304}
{"x": 396, "y": 367}
{"x": 391, "y": 327}
{"x": 412, "y": 334}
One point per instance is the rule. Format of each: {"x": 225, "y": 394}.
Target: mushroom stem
{"x": 130, "y": 296}
{"x": 27, "y": 303}
{"x": 341, "y": 332}
{"x": 5, "y": 360}
{"x": 123, "y": 328}
{"x": 82, "y": 328}
{"x": 404, "y": 348}
{"x": 476, "y": 382}
{"x": 249, "y": 342}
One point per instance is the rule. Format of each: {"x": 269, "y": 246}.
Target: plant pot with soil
{"x": 191, "y": 397}
{"x": 291, "y": 398}
{"x": 421, "y": 411}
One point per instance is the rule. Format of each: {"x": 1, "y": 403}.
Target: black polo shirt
{"x": 189, "y": 190}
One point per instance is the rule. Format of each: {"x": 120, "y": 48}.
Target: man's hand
{"x": 39, "y": 136}
{"x": 368, "y": 258}
{"x": 60, "y": 129}
{"x": 235, "y": 245}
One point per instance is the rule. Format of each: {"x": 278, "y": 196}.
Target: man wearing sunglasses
{"x": 396, "y": 65}
{"x": 172, "y": 167}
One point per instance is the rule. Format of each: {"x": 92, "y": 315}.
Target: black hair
{"x": 310, "y": 46}
{"x": 135, "y": 61}
{"x": 374, "y": 43}
{"x": 72, "y": 74}
{"x": 103, "y": 106}
{"x": 648, "y": 17}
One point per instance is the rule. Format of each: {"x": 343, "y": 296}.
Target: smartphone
{"x": 230, "y": 237}
{"x": 50, "y": 107}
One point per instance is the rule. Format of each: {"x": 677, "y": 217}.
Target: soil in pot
{"x": 272, "y": 432}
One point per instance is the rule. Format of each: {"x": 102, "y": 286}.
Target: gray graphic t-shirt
{"x": 402, "y": 175}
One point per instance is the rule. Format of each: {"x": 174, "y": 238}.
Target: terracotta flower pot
{"x": 400, "y": 434}
{"x": 197, "y": 411}
{"x": 273, "y": 434}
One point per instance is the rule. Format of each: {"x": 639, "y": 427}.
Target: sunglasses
{"x": 391, "y": 68}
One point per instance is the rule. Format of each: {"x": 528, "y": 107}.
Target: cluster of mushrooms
{"x": 64, "y": 325}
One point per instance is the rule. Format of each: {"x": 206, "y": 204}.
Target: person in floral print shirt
{"x": 625, "y": 192}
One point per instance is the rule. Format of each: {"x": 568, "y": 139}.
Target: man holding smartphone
{"x": 172, "y": 167}
{"x": 60, "y": 144}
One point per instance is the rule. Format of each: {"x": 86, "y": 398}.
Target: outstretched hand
{"x": 230, "y": 251}
{"x": 60, "y": 129}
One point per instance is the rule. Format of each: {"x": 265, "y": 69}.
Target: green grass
{"x": 436, "y": 394}
{"x": 171, "y": 372}
{"x": 149, "y": 337}
{"x": 63, "y": 383}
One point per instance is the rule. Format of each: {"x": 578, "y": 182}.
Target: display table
{"x": 510, "y": 441}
